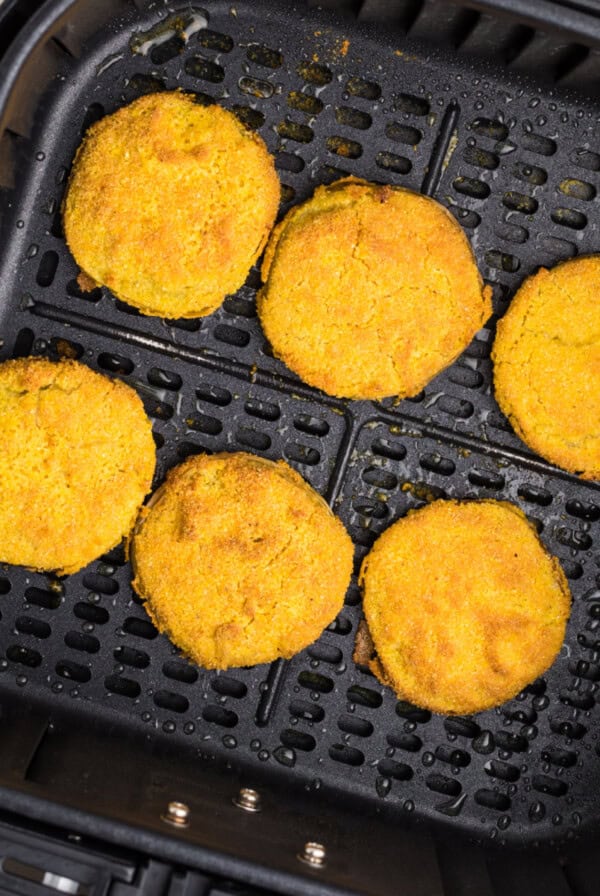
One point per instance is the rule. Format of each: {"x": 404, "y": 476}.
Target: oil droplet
{"x": 3, "y": 665}
{"x": 229, "y": 741}
{"x": 146, "y": 716}
{"x": 557, "y": 819}
{"x": 57, "y": 687}
{"x": 40, "y": 156}
{"x": 263, "y": 755}
{"x": 21, "y": 680}
{"x": 20, "y": 224}
{"x": 427, "y": 759}
{"x": 452, "y": 807}
{"x": 383, "y": 786}
{"x": 537, "y": 811}
{"x": 255, "y": 745}
{"x": 408, "y": 806}
{"x": 285, "y": 755}
{"x": 503, "y": 822}
{"x": 169, "y": 727}
{"x": 189, "y": 728}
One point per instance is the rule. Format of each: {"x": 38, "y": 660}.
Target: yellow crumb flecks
{"x": 239, "y": 560}
{"x": 463, "y": 604}
{"x": 169, "y": 204}
{"x": 76, "y": 461}
{"x": 370, "y": 291}
{"x": 547, "y": 365}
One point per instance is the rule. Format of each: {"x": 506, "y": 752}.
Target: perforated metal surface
{"x": 518, "y": 169}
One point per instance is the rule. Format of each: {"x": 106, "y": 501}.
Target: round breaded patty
{"x": 169, "y": 204}
{"x": 239, "y": 560}
{"x": 547, "y": 365}
{"x": 370, "y": 291}
{"x": 76, "y": 461}
{"x": 464, "y": 605}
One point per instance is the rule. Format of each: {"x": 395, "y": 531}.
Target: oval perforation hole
{"x": 253, "y": 119}
{"x": 535, "y": 495}
{"x": 486, "y": 479}
{"x": 252, "y": 438}
{"x": 229, "y": 687}
{"x": 178, "y": 671}
{"x": 340, "y": 626}
{"x": 559, "y": 757}
{"x": 213, "y": 394}
{"x": 210, "y": 426}
{"x": 512, "y": 233}
{"x": 73, "y": 671}
{"x": 402, "y": 133}
{"x": 204, "y": 69}
{"x": 502, "y": 261}
{"x": 183, "y": 323}
{"x": 302, "y": 454}
{"x": 412, "y": 713}
{"x": 569, "y": 217}
{"x": 5, "y": 585}
{"x": 443, "y": 784}
{"x": 312, "y": 426}
{"x": 115, "y": 363}
{"x": 543, "y": 146}
{"x": 389, "y": 161}
{"x": 364, "y": 696}
{"x": 314, "y": 73}
{"x": 456, "y": 407}
{"x": 141, "y": 628}
{"x": 91, "y": 613}
{"x": 101, "y": 583}
{"x": 390, "y": 768}
{"x": 549, "y": 786}
{"x": 435, "y": 463}
{"x": 311, "y": 712}
{"x": 325, "y": 653}
{"x": 239, "y": 307}
{"x": 403, "y": 741}
{"x": 264, "y": 410}
{"x": 93, "y": 113}
{"x": 25, "y": 656}
{"x": 531, "y": 174}
{"x": 171, "y": 701}
{"x": 389, "y": 448}
{"x": 50, "y": 600}
{"x": 341, "y": 146}
{"x": 517, "y": 202}
{"x": 124, "y": 687}
{"x": 491, "y": 799}
{"x": 467, "y": 217}
{"x": 346, "y": 755}
{"x": 461, "y": 727}
{"x": 487, "y": 127}
{"x": 292, "y": 130}
{"x": 353, "y": 118}
{"x": 35, "y": 627}
{"x": 297, "y": 740}
{"x": 256, "y": 87}
{"x": 304, "y": 102}
{"x": 288, "y": 194}
{"x": 583, "y": 511}
{"x": 370, "y": 508}
{"x": 469, "y": 186}
{"x": 380, "y": 478}
{"x": 481, "y": 158}
{"x": 452, "y": 756}
{"x": 503, "y": 771}
{"x": 129, "y": 656}
{"x": 164, "y": 379}
{"x": 366, "y": 90}
{"x": 264, "y": 56}
{"x": 568, "y": 728}
{"x": 218, "y": 715}
{"x": 577, "y": 189}
{"x": 512, "y": 743}
{"x": 465, "y": 377}
{"x": 586, "y": 159}
{"x": 355, "y": 725}
{"x": 573, "y": 538}
{"x": 287, "y": 161}
{"x": 47, "y": 268}
{"x": 231, "y": 335}
{"x": 82, "y": 642}
{"x": 313, "y": 681}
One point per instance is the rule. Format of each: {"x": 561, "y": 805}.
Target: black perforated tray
{"x": 517, "y": 167}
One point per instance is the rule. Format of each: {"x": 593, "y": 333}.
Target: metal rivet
{"x": 177, "y": 814}
{"x": 313, "y": 854}
{"x": 248, "y": 800}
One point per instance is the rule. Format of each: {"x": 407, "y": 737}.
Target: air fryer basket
{"x": 517, "y": 165}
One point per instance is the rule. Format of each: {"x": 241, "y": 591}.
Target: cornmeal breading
{"x": 239, "y": 560}
{"x": 169, "y": 204}
{"x": 463, "y": 604}
{"x": 76, "y": 461}
{"x": 370, "y": 290}
{"x": 547, "y": 365}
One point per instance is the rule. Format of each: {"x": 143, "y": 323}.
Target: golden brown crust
{"x": 547, "y": 365}
{"x": 76, "y": 461}
{"x": 239, "y": 560}
{"x": 370, "y": 290}
{"x": 169, "y": 204}
{"x": 464, "y": 605}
